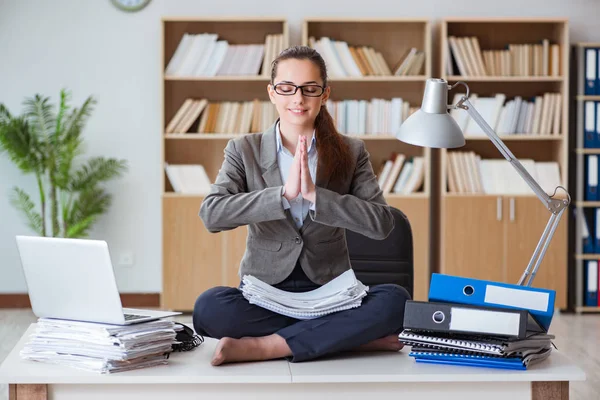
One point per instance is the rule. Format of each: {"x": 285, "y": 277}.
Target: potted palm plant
{"x": 45, "y": 143}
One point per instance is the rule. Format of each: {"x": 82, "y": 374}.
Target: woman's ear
{"x": 271, "y": 92}
{"x": 325, "y": 96}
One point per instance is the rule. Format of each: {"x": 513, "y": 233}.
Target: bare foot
{"x": 250, "y": 349}
{"x": 387, "y": 343}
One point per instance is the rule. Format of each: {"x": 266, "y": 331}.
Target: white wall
{"x": 92, "y": 48}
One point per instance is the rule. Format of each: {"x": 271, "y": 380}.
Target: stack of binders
{"x": 479, "y": 323}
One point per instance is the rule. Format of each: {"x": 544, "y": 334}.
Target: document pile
{"x": 99, "y": 347}
{"x": 479, "y": 323}
{"x": 342, "y": 293}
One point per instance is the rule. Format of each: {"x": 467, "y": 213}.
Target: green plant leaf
{"x": 97, "y": 169}
{"x": 85, "y": 209}
{"x": 23, "y": 147}
{"x": 4, "y": 115}
{"x": 77, "y": 119}
{"x": 38, "y": 111}
{"x": 22, "y": 202}
{"x": 63, "y": 108}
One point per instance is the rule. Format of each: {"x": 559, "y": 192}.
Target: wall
{"x": 92, "y": 48}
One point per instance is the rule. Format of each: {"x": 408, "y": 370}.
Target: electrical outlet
{"x": 126, "y": 258}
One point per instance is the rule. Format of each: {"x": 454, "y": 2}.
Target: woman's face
{"x": 298, "y": 109}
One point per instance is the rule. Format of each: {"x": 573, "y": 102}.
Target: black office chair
{"x": 384, "y": 261}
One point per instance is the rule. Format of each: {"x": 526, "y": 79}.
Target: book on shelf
{"x": 539, "y": 115}
{"x": 401, "y": 174}
{"x": 591, "y": 274}
{"x": 364, "y": 117}
{"x": 344, "y": 60}
{"x": 467, "y": 172}
{"x": 232, "y": 117}
{"x": 203, "y": 54}
{"x": 188, "y": 178}
{"x": 465, "y": 57}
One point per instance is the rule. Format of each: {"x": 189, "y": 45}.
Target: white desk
{"x": 348, "y": 376}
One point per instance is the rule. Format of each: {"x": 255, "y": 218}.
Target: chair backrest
{"x": 384, "y": 261}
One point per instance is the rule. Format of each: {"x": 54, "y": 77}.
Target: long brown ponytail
{"x": 334, "y": 152}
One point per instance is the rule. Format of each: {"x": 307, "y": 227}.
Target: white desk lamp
{"x": 432, "y": 126}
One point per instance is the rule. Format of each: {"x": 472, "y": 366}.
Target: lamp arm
{"x": 555, "y": 206}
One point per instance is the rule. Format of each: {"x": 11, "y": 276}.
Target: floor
{"x": 576, "y": 335}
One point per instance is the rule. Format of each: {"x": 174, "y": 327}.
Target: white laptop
{"x": 74, "y": 279}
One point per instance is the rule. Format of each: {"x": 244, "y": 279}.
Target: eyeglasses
{"x": 289, "y": 89}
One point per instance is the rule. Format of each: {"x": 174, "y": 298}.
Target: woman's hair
{"x": 334, "y": 152}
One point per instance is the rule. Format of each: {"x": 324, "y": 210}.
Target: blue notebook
{"x": 472, "y": 360}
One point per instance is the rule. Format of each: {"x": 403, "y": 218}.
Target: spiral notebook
{"x": 487, "y": 345}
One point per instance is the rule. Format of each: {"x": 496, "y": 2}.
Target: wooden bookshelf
{"x": 492, "y": 237}
{"x": 392, "y": 37}
{"x": 194, "y": 259}
{"x": 581, "y": 206}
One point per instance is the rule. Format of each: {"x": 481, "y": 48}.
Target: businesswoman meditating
{"x": 298, "y": 186}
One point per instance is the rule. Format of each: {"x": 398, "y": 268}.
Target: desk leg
{"x": 27, "y": 392}
{"x": 550, "y": 390}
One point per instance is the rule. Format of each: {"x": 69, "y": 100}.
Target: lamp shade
{"x": 432, "y": 126}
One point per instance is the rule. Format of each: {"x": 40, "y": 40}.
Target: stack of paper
{"x": 99, "y": 347}
{"x": 342, "y": 293}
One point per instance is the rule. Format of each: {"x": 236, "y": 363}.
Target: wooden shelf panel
{"x": 521, "y": 79}
{"x": 591, "y": 98}
{"x": 525, "y": 89}
{"x": 219, "y": 78}
{"x": 392, "y": 196}
{"x": 261, "y": 78}
{"x": 486, "y": 196}
{"x": 587, "y": 309}
{"x": 519, "y": 137}
{"x": 584, "y": 204}
{"x": 587, "y": 151}
{"x": 587, "y": 256}
{"x": 383, "y": 78}
{"x": 542, "y": 150}
{"x": 587, "y": 44}
{"x": 227, "y": 136}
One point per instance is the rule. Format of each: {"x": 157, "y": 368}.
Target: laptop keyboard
{"x": 130, "y": 317}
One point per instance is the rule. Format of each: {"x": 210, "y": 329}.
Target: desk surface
{"x": 194, "y": 367}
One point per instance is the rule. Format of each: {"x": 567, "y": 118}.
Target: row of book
{"x": 203, "y": 54}
{"x": 375, "y": 116}
{"x": 188, "y": 178}
{"x": 359, "y": 117}
{"x": 101, "y": 348}
{"x": 467, "y": 58}
{"x": 343, "y": 59}
{"x": 401, "y": 174}
{"x": 541, "y": 115}
{"x": 501, "y": 327}
{"x": 239, "y": 117}
{"x": 467, "y": 172}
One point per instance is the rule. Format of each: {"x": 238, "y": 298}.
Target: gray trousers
{"x": 224, "y": 312}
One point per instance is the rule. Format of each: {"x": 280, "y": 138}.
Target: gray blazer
{"x": 248, "y": 189}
